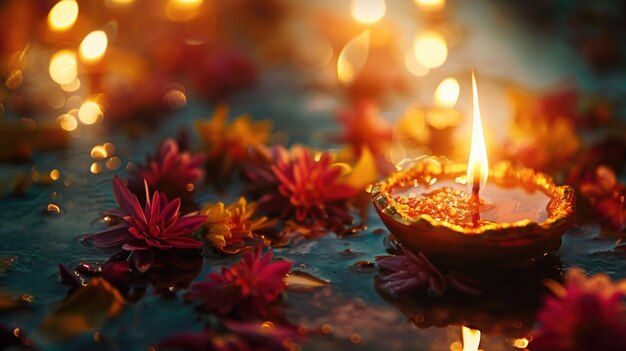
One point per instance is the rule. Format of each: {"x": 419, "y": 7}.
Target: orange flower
{"x": 233, "y": 225}
{"x": 541, "y": 138}
{"x": 363, "y": 127}
{"x": 226, "y": 145}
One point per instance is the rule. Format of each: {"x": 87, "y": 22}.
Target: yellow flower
{"x": 232, "y": 226}
{"x": 231, "y": 140}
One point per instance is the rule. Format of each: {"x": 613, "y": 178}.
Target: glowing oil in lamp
{"x": 450, "y": 211}
{"x": 459, "y": 200}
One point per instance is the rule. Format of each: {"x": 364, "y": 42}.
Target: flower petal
{"x": 143, "y": 259}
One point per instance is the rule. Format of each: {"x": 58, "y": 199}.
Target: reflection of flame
{"x": 63, "y": 15}
{"x": 352, "y": 57}
{"x": 447, "y": 93}
{"x": 430, "y": 49}
{"x": 368, "y": 11}
{"x": 478, "y": 165}
{"x": 471, "y": 339}
{"x": 431, "y": 5}
{"x": 63, "y": 67}
{"x": 93, "y": 47}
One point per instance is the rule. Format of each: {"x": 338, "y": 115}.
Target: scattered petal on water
{"x": 85, "y": 310}
{"x": 298, "y": 281}
{"x": 68, "y": 278}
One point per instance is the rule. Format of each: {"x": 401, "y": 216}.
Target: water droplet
{"x": 52, "y": 210}
{"x": 298, "y": 281}
{"x": 363, "y": 267}
{"x": 391, "y": 245}
{"x": 6, "y": 262}
{"x": 89, "y": 268}
{"x": 349, "y": 253}
{"x": 379, "y": 231}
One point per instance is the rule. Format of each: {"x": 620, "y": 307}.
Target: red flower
{"x": 364, "y": 128}
{"x": 245, "y": 288}
{"x": 586, "y": 314}
{"x": 605, "y": 197}
{"x": 410, "y": 272}
{"x": 305, "y": 187}
{"x": 224, "y": 73}
{"x": 171, "y": 172}
{"x": 155, "y": 227}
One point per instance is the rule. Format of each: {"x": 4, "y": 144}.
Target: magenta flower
{"x": 171, "y": 171}
{"x": 245, "y": 288}
{"x": 413, "y": 272}
{"x": 302, "y": 186}
{"x": 587, "y": 313}
{"x": 158, "y": 226}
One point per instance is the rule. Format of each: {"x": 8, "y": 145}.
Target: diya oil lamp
{"x": 472, "y": 215}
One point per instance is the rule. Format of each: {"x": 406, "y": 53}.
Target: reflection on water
{"x": 347, "y": 309}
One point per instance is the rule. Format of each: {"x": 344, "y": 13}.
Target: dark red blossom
{"x": 224, "y": 73}
{"x": 586, "y": 314}
{"x": 156, "y": 227}
{"x": 171, "y": 171}
{"x": 245, "y": 288}
{"x": 303, "y": 186}
{"x": 413, "y": 272}
{"x": 604, "y": 198}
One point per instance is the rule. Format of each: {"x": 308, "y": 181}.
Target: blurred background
{"x": 73, "y": 69}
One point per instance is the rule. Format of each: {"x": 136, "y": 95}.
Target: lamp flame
{"x": 478, "y": 165}
{"x": 471, "y": 338}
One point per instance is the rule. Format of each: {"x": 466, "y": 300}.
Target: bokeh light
{"x": 15, "y": 79}
{"x": 447, "y": 93}
{"x": 431, "y": 5}
{"x": 430, "y": 49}
{"x": 71, "y": 87}
{"x": 413, "y": 66}
{"x": 175, "y": 99}
{"x": 63, "y": 15}
{"x": 93, "y": 47}
{"x": 63, "y": 67}
{"x": 67, "y": 122}
{"x": 368, "y": 11}
{"x": 182, "y": 10}
{"x": 98, "y": 152}
{"x": 312, "y": 54}
{"x": 89, "y": 112}
{"x": 352, "y": 57}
